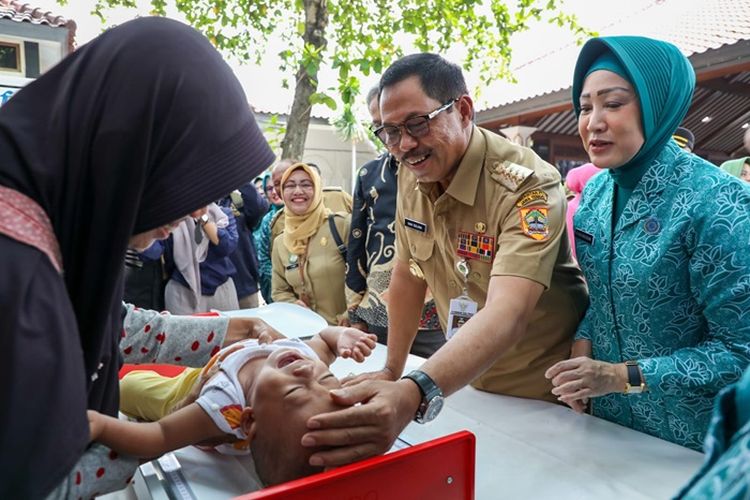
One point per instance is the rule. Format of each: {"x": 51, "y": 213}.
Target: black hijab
{"x": 130, "y": 132}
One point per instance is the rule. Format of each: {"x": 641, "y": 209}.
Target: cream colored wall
{"x": 325, "y": 148}
{"x": 334, "y": 156}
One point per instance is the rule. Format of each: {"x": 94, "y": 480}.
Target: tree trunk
{"x": 316, "y": 21}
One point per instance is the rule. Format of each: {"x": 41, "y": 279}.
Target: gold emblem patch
{"x": 415, "y": 270}
{"x": 535, "y": 222}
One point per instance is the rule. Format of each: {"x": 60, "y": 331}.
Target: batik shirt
{"x": 371, "y": 246}
{"x": 669, "y": 288}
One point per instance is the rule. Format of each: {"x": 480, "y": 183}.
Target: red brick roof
{"x": 23, "y": 12}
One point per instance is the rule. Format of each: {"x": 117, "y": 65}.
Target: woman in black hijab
{"x": 128, "y": 134}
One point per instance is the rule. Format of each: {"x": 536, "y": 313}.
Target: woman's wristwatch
{"x": 635, "y": 383}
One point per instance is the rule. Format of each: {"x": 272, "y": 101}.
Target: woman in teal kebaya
{"x": 662, "y": 239}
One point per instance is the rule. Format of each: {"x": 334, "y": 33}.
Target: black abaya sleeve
{"x": 43, "y": 388}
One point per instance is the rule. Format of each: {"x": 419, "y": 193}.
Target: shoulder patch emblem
{"x": 511, "y": 175}
{"x": 535, "y": 222}
{"x": 362, "y": 172}
{"x": 533, "y": 196}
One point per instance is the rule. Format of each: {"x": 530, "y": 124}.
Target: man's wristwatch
{"x": 635, "y": 383}
{"x": 432, "y": 396}
{"x": 203, "y": 219}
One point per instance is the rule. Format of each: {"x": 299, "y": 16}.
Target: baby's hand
{"x": 355, "y": 344}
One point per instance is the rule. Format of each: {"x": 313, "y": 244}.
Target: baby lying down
{"x": 258, "y": 402}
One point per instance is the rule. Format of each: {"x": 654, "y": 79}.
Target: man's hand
{"x": 364, "y": 430}
{"x": 580, "y": 378}
{"x": 355, "y": 344}
{"x": 385, "y": 374}
{"x": 250, "y": 328}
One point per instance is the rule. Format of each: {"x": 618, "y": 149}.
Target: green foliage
{"x": 273, "y": 130}
{"x": 365, "y": 36}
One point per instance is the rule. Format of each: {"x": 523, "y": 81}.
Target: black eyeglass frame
{"x": 424, "y": 120}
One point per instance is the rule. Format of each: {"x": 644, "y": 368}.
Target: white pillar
{"x": 520, "y": 134}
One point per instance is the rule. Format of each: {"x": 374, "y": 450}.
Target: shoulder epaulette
{"x": 509, "y": 174}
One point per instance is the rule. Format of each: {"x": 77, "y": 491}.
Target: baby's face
{"x": 289, "y": 389}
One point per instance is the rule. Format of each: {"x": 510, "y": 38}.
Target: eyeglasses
{"x": 416, "y": 126}
{"x": 304, "y": 186}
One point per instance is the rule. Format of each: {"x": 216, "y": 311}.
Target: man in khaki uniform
{"x": 476, "y": 212}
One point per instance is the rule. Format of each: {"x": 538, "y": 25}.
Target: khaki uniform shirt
{"x": 508, "y": 207}
{"x": 324, "y": 272}
{"x": 334, "y": 198}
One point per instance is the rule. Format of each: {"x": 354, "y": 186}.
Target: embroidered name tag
{"x": 581, "y": 235}
{"x": 415, "y": 225}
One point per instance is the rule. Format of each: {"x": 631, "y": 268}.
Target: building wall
{"x": 332, "y": 154}
{"x": 41, "y": 47}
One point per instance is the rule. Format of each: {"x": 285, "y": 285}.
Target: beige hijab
{"x": 298, "y": 229}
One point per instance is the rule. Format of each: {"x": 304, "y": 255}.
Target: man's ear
{"x": 247, "y": 423}
{"x": 466, "y": 108}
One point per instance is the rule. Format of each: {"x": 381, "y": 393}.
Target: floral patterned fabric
{"x": 725, "y": 474}
{"x": 670, "y": 288}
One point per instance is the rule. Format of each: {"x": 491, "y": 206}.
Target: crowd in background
{"x": 634, "y": 311}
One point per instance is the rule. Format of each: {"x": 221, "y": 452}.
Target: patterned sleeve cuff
{"x": 98, "y": 471}
{"x": 151, "y": 337}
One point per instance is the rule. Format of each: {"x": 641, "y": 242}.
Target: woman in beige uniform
{"x": 308, "y": 267}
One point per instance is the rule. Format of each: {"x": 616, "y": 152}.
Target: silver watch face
{"x": 433, "y": 409}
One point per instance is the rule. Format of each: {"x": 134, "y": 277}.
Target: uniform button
{"x": 452, "y": 284}
{"x": 475, "y": 275}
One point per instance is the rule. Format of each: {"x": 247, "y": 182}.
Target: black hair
{"x": 441, "y": 80}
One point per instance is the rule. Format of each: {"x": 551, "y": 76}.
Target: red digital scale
{"x": 439, "y": 469}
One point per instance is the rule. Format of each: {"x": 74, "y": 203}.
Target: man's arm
{"x": 403, "y": 321}
{"x": 189, "y": 425}
{"x": 387, "y": 407}
{"x": 404, "y": 309}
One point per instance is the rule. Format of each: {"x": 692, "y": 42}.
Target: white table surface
{"x": 525, "y": 449}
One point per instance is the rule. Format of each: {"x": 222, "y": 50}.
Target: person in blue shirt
{"x": 248, "y": 208}
{"x": 197, "y": 258}
{"x": 662, "y": 240}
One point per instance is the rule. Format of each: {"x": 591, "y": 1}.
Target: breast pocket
{"x": 421, "y": 248}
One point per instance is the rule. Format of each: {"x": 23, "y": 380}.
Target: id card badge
{"x": 461, "y": 310}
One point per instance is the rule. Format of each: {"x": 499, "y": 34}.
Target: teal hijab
{"x": 663, "y": 80}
